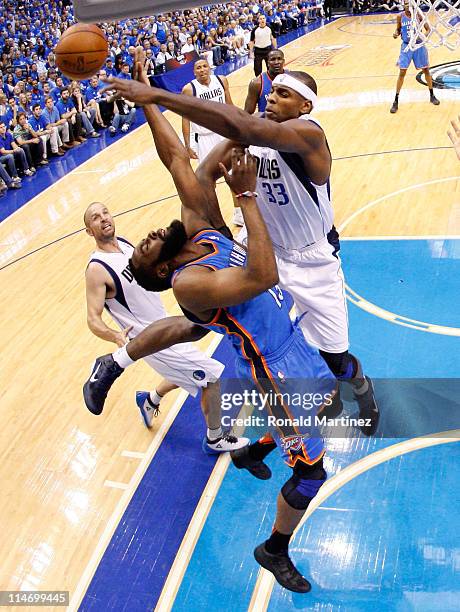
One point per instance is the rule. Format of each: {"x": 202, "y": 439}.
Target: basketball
{"x": 81, "y": 51}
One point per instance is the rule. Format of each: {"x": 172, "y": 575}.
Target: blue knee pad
{"x": 298, "y": 492}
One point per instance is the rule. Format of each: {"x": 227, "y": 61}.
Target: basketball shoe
{"x": 225, "y": 444}
{"x": 281, "y": 566}
{"x": 148, "y": 409}
{"x": 104, "y": 373}
{"x": 368, "y": 409}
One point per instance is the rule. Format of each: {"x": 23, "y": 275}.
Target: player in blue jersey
{"x": 261, "y": 86}
{"x": 221, "y": 286}
{"x": 404, "y": 25}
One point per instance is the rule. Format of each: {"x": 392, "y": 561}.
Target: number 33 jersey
{"x": 297, "y": 212}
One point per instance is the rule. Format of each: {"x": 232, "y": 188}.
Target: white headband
{"x": 289, "y": 81}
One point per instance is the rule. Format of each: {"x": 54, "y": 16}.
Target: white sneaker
{"x": 225, "y": 444}
{"x": 238, "y": 217}
{"x": 125, "y": 127}
{"x": 28, "y": 172}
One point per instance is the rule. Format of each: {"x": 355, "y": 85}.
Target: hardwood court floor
{"x": 62, "y": 470}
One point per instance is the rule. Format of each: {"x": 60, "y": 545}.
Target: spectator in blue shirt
{"x": 10, "y": 153}
{"x": 47, "y": 133}
{"x": 125, "y": 71}
{"x": 53, "y": 119}
{"x": 67, "y": 111}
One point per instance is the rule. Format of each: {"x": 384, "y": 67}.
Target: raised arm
{"x": 234, "y": 285}
{"x": 176, "y": 159}
{"x": 294, "y": 135}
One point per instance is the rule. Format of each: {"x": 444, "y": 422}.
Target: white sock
{"x": 155, "y": 398}
{"x": 214, "y": 434}
{"x": 122, "y": 358}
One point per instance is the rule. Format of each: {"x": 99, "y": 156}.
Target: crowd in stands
{"x": 42, "y": 113}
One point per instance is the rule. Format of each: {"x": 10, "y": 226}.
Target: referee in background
{"x": 261, "y": 43}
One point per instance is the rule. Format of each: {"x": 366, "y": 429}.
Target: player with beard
{"x": 261, "y": 86}
{"x": 111, "y": 285}
{"x": 293, "y": 183}
{"x": 221, "y": 287}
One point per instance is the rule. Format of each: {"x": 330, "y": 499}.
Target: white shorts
{"x": 186, "y": 366}
{"x": 205, "y": 143}
{"x": 315, "y": 280}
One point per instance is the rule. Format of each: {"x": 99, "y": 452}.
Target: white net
{"x": 435, "y": 23}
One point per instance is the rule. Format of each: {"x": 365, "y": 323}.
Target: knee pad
{"x": 343, "y": 365}
{"x": 303, "y": 485}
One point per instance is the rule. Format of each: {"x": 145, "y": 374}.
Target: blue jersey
{"x": 407, "y": 26}
{"x": 265, "y": 89}
{"x": 273, "y": 353}
{"x": 257, "y": 327}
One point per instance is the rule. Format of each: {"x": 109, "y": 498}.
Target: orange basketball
{"x": 81, "y": 51}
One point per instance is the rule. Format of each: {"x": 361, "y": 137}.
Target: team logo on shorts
{"x": 445, "y": 76}
{"x": 199, "y": 374}
{"x": 292, "y": 444}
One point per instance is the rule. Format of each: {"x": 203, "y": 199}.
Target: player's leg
{"x": 216, "y": 440}
{"x": 317, "y": 287}
{"x": 190, "y": 369}
{"x": 399, "y": 82}
{"x": 148, "y": 402}
{"x": 293, "y": 501}
{"x": 426, "y": 71}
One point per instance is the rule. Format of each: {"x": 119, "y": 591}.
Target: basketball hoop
{"x": 443, "y": 20}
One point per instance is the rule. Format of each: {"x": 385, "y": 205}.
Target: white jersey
{"x": 181, "y": 364}
{"x": 132, "y": 305}
{"x": 298, "y": 213}
{"x": 214, "y": 91}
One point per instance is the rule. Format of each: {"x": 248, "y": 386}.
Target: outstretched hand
{"x": 244, "y": 171}
{"x": 454, "y": 135}
{"x": 135, "y": 91}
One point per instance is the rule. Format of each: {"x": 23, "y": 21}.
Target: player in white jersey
{"x": 111, "y": 285}
{"x": 200, "y": 141}
{"x": 294, "y": 198}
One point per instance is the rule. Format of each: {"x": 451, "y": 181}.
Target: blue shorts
{"x": 297, "y": 382}
{"x": 419, "y": 57}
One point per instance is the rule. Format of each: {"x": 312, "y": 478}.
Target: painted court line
{"x": 116, "y": 485}
{"x": 179, "y": 567}
{"x": 120, "y": 508}
{"x": 195, "y": 527}
{"x": 265, "y": 581}
{"x": 134, "y": 454}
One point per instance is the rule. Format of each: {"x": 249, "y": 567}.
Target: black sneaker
{"x": 105, "y": 371}
{"x": 368, "y": 409}
{"x": 242, "y": 460}
{"x": 394, "y": 108}
{"x": 434, "y": 100}
{"x": 281, "y": 566}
